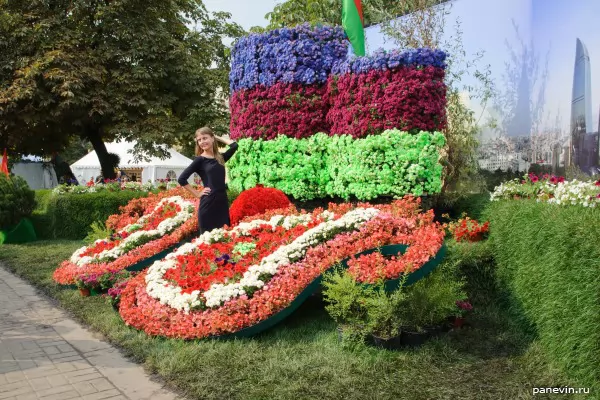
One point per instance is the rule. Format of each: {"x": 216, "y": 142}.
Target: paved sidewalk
{"x": 46, "y": 355}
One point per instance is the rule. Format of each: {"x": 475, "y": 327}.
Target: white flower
{"x": 167, "y": 293}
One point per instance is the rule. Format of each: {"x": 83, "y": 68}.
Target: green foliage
{"x": 17, "y": 201}
{"x": 101, "y": 70}
{"x": 369, "y": 309}
{"x": 98, "y": 230}
{"x": 391, "y": 164}
{"x": 495, "y": 178}
{"x": 548, "y": 263}
{"x": 69, "y": 216}
{"x": 290, "y": 13}
{"x": 432, "y": 300}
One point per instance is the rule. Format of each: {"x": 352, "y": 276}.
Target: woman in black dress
{"x": 210, "y": 165}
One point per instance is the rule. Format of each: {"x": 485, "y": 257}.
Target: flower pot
{"x": 458, "y": 322}
{"x": 416, "y": 339}
{"x": 85, "y": 292}
{"x": 392, "y": 343}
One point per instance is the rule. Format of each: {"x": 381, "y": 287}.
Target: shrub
{"x": 17, "y": 200}
{"x": 548, "y": 266}
{"x": 256, "y": 201}
{"x": 69, "y": 216}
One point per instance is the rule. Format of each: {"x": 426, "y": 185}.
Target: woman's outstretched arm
{"x": 233, "y": 146}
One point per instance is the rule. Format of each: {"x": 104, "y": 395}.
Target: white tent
{"x": 37, "y": 173}
{"x": 88, "y": 167}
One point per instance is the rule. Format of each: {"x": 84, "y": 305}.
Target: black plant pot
{"x": 393, "y": 343}
{"x": 416, "y": 339}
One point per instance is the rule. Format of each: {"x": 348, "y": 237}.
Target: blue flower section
{"x": 303, "y": 54}
{"x": 386, "y": 60}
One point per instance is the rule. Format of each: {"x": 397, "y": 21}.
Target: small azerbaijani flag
{"x": 353, "y": 23}
{"x": 4, "y": 168}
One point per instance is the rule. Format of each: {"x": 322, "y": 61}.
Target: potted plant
{"x": 427, "y": 306}
{"x": 114, "y": 293}
{"x": 463, "y": 308}
{"x": 384, "y": 317}
{"x": 88, "y": 284}
{"x": 346, "y": 304}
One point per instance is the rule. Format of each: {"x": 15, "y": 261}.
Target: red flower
{"x": 256, "y": 201}
{"x": 67, "y": 272}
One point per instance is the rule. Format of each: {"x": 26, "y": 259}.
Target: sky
{"x": 244, "y": 12}
{"x": 557, "y": 25}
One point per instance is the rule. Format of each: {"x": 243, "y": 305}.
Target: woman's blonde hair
{"x": 207, "y": 131}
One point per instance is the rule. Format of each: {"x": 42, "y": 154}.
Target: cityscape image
{"x": 543, "y": 63}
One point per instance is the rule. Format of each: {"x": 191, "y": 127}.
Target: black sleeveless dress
{"x": 214, "y": 207}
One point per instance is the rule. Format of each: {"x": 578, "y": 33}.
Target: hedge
{"x": 69, "y": 216}
{"x": 548, "y": 266}
{"x": 392, "y": 164}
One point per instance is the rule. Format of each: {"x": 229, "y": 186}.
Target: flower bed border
{"x": 390, "y": 285}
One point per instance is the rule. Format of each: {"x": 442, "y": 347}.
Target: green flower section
{"x": 393, "y": 163}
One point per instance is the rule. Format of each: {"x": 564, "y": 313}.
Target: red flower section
{"x": 67, "y": 272}
{"x": 292, "y": 110}
{"x": 256, "y": 201}
{"x": 407, "y": 98}
{"x": 468, "y": 230}
{"x": 399, "y": 222}
{"x": 219, "y": 262}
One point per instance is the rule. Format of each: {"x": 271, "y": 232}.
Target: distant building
{"x": 504, "y": 162}
{"x": 583, "y": 150}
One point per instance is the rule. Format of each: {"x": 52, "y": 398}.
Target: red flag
{"x": 4, "y": 167}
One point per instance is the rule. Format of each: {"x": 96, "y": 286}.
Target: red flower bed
{"x": 68, "y": 272}
{"x": 407, "y": 98}
{"x": 292, "y": 110}
{"x": 256, "y": 201}
{"x": 399, "y": 222}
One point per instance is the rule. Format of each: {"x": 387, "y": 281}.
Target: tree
{"x": 109, "y": 69}
{"x": 295, "y": 12}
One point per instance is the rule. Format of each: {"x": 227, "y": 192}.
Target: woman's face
{"x": 205, "y": 141}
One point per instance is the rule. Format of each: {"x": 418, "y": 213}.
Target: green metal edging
{"x": 278, "y": 317}
{"x": 390, "y": 285}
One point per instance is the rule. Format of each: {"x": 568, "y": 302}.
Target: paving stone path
{"x": 46, "y": 355}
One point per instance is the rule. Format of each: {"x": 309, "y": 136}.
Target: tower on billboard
{"x": 583, "y": 148}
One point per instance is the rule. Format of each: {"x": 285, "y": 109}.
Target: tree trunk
{"x": 93, "y": 135}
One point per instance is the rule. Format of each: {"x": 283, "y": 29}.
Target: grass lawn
{"x": 302, "y": 359}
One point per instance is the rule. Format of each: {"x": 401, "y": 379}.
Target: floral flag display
{"x": 231, "y": 279}
{"x": 144, "y": 228}
{"x": 278, "y": 81}
{"x": 299, "y": 88}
